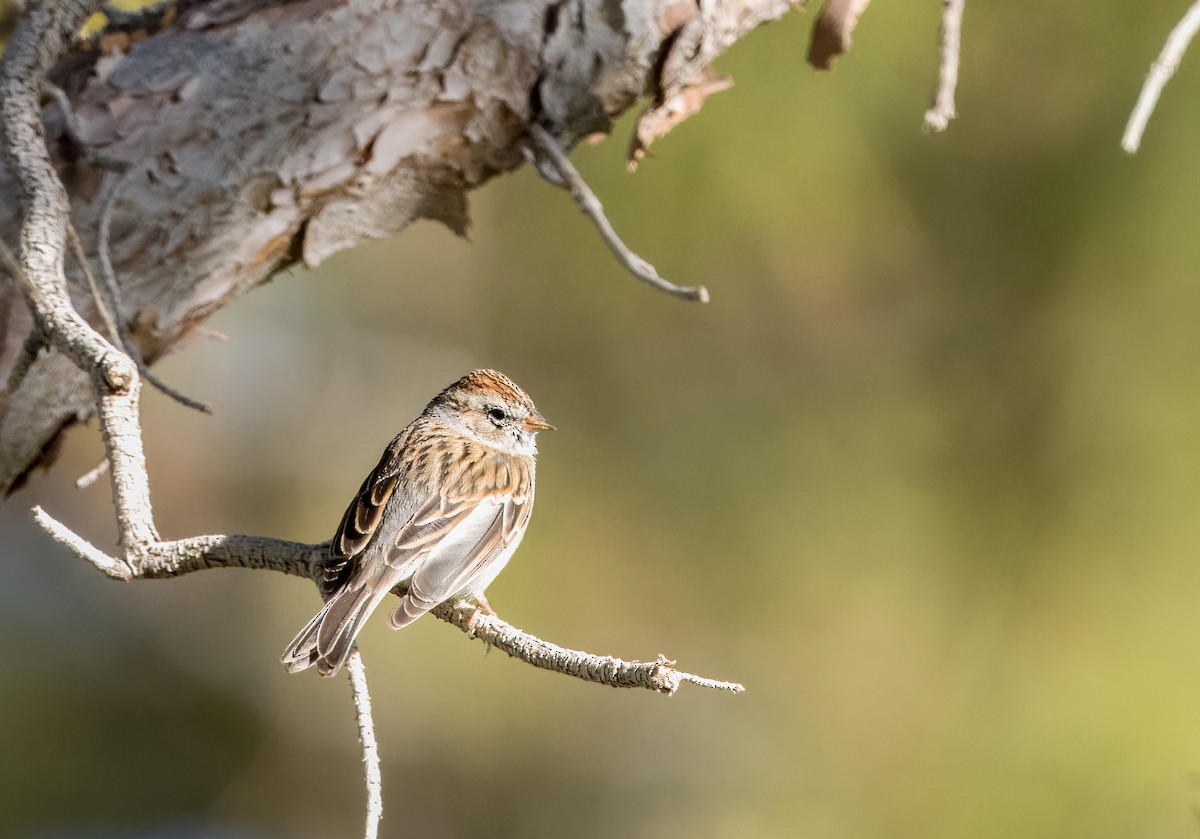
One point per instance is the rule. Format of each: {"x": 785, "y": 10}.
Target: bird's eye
{"x": 497, "y": 414}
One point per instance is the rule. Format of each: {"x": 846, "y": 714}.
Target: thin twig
{"x": 705, "y": 682}
{"x": 70, "y": 123}
{"x": 938, "y": 117}
{"x": 14, "y": 266}
{"x": 82, "y": 548}
{"x": 92, "y": 475}
{"x": 114, "y": 295}
{"x": 370, "y": 749}
{"x": 36, "y": 339}
{"x": 565, "y": 174}
{"x": 34, "y": 342}
{"x": 1160, "y": 73}
{"x": 659, "y": 675}
{"x": 73, "y": 133}
{"x": 80, "y": 257}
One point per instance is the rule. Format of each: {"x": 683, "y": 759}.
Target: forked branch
{"x": 173, "y": 559}
{"x": 37, "y": 42}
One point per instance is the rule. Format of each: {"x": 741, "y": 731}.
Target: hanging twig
{"x": 1160, "y": 73}
{"x": 938, "y": 117}
{"x": 370, "y": 749}
{"x": 563, "y": 173}
{"x": 114, "y": 295}
{"x": 114, "y": 334}
{"x": 73, "y": 134}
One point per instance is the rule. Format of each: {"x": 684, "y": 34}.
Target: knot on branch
{"x": 117, "y": 371}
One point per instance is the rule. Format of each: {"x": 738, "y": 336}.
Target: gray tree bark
{"x": 235, "y": 138}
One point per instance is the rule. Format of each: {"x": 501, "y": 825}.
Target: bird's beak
{"x": 536, "y": 422}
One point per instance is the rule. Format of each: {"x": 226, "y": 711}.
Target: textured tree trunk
{"x": 255, "y": 134}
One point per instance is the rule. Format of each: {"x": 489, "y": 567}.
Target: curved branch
{"x": 172, "y": 559}
{"x": 1160, "y": 73}
{"x": 36, "y": 44}
{"x": 556, "y": 167}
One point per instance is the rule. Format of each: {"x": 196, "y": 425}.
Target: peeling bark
{"x": 249, "y": 135}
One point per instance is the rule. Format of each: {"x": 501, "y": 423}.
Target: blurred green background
{"x": 924, "y": 476}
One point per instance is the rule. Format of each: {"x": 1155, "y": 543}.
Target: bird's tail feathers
{"x": 327, "y": 639}
{"x": 302, "y": 652}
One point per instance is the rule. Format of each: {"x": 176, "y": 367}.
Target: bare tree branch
{"x": 110, "y": 325}
{"x": 370, "y": 749}
{"x": 557, "y": 168}
{"x": 1160, "y": 73}
{"x": 114, "y": 295}
{"x": 36, "y": 43}
{"x": 938, "y": 117}
{"x": 116, "y": 376}
{"x": 659, "y": 675}
{"x": 171, "y": 559}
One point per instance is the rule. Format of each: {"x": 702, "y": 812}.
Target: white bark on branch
{"x": 938, "y": 117}
{"x": 557, "y": 168}
{"x": 255, "y": 134}
{"x": 172, "y": 559}
{"x": 370, "y": 749}
{"x": 1160, "y": 73}
{"x": 315, "y": 203}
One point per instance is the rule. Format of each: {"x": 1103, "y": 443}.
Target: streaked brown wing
{"x": 362, "y": 518}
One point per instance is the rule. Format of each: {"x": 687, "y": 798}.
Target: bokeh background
{"x": 925, "y": 476}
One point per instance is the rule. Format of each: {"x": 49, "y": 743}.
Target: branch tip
{"x": 938, "y": 117}
{"x": 1160, "y": 73}
{"x": 659, "y": 675}
{"x": 82, "y": 548}
{"x": 556, "y": 168}
{"x": 91, "y": 476}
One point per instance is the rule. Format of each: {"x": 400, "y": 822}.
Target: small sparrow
{"x": 439, "y": 517}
